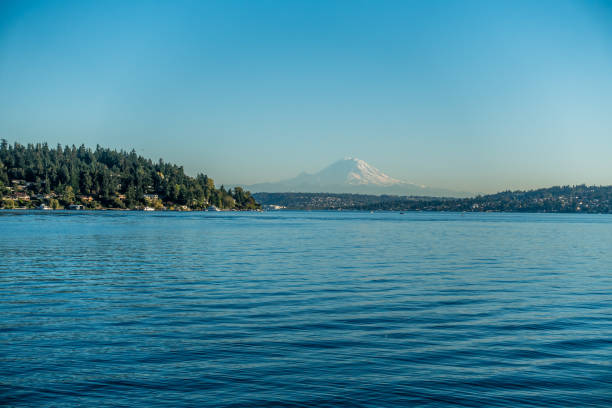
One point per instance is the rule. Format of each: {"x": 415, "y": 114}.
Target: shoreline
{"x": 332, "y": 210}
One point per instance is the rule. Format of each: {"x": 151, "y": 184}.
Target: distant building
{"x": 274, "y": 207}
{"x": 19, "y": 195}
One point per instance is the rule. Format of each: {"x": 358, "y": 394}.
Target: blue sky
{"x": 470, "y": 95}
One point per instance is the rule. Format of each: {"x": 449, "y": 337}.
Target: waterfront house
{"x": 20, "y": 195}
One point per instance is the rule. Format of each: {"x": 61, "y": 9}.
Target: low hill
{"x": 566, "y": 199}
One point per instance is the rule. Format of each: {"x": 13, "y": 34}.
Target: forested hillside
{"x": 104, "y": 178}
{"x": 565, "y": 199}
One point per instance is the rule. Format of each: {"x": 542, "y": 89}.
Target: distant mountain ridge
{"x": 351, "y": 175}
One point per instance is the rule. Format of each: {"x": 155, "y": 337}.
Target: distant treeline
{"x": 325, "y": 201}
{"x": 104, "y": 178}
{"x": 565, "y": 199}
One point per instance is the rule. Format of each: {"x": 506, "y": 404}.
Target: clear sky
{"x": 469, "y": 95}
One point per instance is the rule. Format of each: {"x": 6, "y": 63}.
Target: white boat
{"x": 148, "y": 209}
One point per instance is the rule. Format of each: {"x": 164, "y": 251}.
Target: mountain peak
{"x": 354, "y": 171}
{"x": 348, "y": 175}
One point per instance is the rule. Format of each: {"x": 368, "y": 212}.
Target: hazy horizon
{"x": 477, "y": 96}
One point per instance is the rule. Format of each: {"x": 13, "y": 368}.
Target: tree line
{"x": 106, "y": 178}
{"x": 560, "y": 199}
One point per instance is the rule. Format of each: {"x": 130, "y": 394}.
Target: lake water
{"x": 305, "y": 309}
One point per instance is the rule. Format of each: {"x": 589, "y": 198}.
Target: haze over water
{"x": 305, "y": 309}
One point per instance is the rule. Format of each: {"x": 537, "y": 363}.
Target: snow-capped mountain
{"x": 350, "y": 171}
{"x": 350, "y": 175}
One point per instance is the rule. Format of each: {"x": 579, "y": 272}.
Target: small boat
{"x": 148, "y": 209}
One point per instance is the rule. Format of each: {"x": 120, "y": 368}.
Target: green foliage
{"x": 53, "y": 203}
{"x": 114, "y": 179}
{"x": 67, "y": 196}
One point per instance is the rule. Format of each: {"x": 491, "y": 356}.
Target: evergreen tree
{"x": 113, "y": 178}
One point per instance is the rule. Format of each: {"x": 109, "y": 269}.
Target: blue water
{"x": 305, "y": 309}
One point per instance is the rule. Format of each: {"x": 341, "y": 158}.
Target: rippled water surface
{"x": 305, "y": 309}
